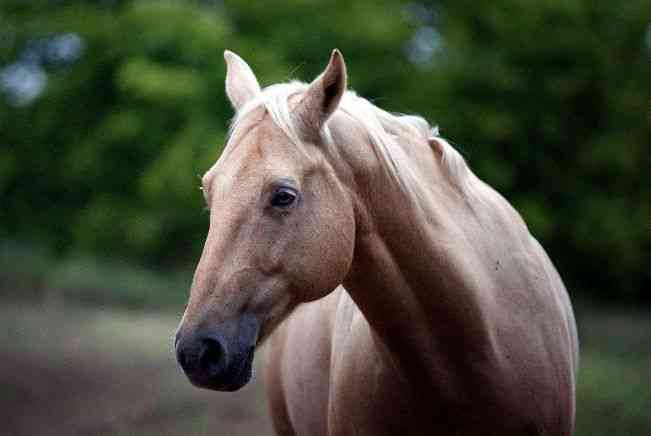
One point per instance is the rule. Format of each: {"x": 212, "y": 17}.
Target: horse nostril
{"x": 212, "y": 358}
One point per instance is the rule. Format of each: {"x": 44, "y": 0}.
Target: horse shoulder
{"x": 530, "y": 306}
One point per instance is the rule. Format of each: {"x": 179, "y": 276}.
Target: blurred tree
{"x": 107, "y": 158}
{"x": 111, "y": 110}
{"x": 555, "y": 99}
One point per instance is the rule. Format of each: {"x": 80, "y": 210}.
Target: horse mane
{"x": 383, "y": 128}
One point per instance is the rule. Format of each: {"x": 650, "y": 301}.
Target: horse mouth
{"x": 238, "y": 375}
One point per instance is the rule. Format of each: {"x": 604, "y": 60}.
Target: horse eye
{"x": 284, "y": 197}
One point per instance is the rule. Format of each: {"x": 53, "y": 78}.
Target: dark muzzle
{"x": 219, "y": 357}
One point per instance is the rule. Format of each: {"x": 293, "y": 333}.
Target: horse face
{"x": 281, "y": 233}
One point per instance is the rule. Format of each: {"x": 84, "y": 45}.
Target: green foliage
{"x": 556, "y": 95}
{"x": 549, "y": 101}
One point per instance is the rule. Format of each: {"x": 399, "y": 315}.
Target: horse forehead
{"x": 260, "y": 136}
{"x": 255, "y": 149}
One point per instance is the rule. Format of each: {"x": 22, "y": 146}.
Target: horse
{"x": 397, "y": 292}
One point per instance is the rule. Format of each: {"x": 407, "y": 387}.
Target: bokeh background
{"x": 110, "y": 110}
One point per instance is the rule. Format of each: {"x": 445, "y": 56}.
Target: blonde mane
{"x": 384, "y": 129}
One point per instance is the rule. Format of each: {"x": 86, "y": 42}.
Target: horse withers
{"x": 451, "y": 320}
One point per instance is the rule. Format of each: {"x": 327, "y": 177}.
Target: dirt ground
{"x": 72, "y": 371}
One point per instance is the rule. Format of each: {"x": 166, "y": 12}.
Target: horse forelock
{"x": 383, "y": 129}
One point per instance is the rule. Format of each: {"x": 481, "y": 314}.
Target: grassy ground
{"x": 614, "y": 392}
{"x": 71, "y": 370}
{"x": 65, "y": 370}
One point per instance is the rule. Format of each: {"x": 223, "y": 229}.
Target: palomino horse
{"x": 451, "y": 321}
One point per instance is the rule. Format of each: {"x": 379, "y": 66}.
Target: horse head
{"x": 282, "y": 226}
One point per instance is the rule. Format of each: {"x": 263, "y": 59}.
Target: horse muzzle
{"x": 219, "y": 357}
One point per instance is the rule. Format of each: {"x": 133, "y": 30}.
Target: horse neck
{"x": 412, "y": 275}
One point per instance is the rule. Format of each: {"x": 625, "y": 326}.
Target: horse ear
{"x": 241, "y": 84}
{"x": 323, "y": 95}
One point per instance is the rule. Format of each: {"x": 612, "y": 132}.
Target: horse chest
{"x": 368, "y": 395}
{"x": 367, "y": 398}
{"x": 360, "y": 393}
